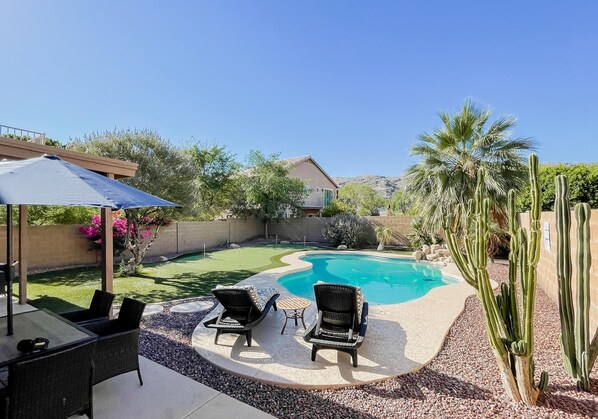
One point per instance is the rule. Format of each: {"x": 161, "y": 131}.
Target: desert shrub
{"x": 420, "y": 235}
{"x": 348, "y": 229}
{"x": 337, "y": 207}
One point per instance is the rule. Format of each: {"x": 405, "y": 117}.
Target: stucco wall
{"x": 547, "y": 277}
{"x": 314, "y": 177}
{"x": 296, "y": 229}
{"x": 62, "y": 245}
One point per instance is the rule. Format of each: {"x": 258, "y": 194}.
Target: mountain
{"x": 384, "y": 185}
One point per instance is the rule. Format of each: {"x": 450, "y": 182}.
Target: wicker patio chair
{"x": 57, "y": 385}
{"x": 98, "y": 309}
{"x": 341, "y": 322}
{"x": 243, "y": 308}
{"x": 117, "y": 350}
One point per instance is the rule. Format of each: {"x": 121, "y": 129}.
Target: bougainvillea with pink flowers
{"x": 93, "y": 231}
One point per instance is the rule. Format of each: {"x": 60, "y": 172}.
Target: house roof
{"x": 294, "y": 161}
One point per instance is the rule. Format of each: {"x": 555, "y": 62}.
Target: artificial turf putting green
{"x": 187, "y": 276}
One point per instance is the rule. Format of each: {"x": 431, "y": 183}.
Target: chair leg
{"x": 275, "y": 306}
{"x": 248, "y": 337}
{"x": 139, "y": 375}
{"x": 218, "y": 332}
{"x": 314, "y": 350}
{"x": 354, "y": 357}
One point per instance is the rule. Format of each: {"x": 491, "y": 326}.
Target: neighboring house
{"x": 323, "y": 189}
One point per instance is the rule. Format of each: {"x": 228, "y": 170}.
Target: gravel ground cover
{"x": 462, "y": 381}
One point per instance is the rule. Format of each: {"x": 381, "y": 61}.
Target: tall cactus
{"x": 510, "y": 333}
{"x": 579, "y": 353}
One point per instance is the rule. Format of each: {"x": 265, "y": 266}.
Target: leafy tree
{"x": 47, "y": 141}
{"x": 44, "y": 214}
{"x": 583, "y": 185}
{"x": 337, "y": 207}
{"x": 214, "y": 168}
{"x": 402, "y": 203}
{"x": 363, "y": 198}
{"x": 163, "y": 170}
{"x": 450, "y": 158}
{"x": 266, "y": 191}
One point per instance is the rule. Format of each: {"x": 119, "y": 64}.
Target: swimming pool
{"x": 383, "y": 280}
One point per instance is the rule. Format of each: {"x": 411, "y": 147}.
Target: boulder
{"x": 234, "y": 246}
{"x": 432, "y": 257}
{"x": 426, "y": 249}
{"x": 162, "y": 259}
{"x": 284, "y": 242}
{"x": 418, "y": 255}
{"x": 380, "y": 247}
{"x": 434, "y": 248}
{"x": 342, "y": 247}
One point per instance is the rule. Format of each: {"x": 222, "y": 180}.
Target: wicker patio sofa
{"x": 117, "y": 350}
{"x": 56, "y": 385}
{"x": 99, "y": 309}
{"x": 342, "y": 319}
{"x": 243, "y": 308}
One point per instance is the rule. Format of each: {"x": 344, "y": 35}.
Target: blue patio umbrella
{"x": 48, "y": 180}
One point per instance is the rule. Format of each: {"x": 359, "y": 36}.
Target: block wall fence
{"x": 60, "y": 246}
{"x": 310, "y": 228}
{"x": 547, "y": 274}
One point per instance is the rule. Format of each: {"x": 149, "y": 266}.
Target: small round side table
{"x": 294, "y": 308}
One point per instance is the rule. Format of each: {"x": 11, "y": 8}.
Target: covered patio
{"x": 13, "y": 149}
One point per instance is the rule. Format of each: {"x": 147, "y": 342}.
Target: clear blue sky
{"x": 350, "y": 82}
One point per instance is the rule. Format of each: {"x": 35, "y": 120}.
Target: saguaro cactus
{"x": 579, "y": 353}
{"x": 510, "y": 333}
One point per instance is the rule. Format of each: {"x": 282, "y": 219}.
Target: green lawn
{"x": 188, "y": 276}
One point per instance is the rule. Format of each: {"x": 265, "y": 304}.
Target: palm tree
{"x": 451, "y": 156}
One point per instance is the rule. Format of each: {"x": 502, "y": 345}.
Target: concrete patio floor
{"x": 401, "y": 338}
{"x": 165, "y": 394}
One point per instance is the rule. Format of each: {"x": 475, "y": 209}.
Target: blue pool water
{"x": 382, "y": 280}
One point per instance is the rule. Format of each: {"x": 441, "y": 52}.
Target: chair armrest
{"x": 100, "y": 327}
{"x": 311, "y": 328}
{"x": 76, "y": 315}
{"x": 364, "y": 320}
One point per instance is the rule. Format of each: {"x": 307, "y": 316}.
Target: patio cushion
{"x": 251, "y": 292}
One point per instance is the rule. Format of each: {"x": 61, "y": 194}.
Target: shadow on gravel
{"x": 166, "y": 339}
{"x": 410, "y": 387}
{"x": 569, "y": 405}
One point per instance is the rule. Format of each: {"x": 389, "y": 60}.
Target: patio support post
{"x": 107, "y": 253}
{"x": 23, "y": 254}
{"x": 9, "y": 270}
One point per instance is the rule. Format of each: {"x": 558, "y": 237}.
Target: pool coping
{"x": 268, "y": 362}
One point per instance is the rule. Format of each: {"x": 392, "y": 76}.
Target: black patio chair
{"x": 57, "y": 385}
{"x": 117, "y": 350}
{"x": 99, "y": 309}
{"x": 341, "y": 322}
{"x": 244, "y": 307}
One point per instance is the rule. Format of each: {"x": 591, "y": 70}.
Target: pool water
{"x": 382, "y": 280}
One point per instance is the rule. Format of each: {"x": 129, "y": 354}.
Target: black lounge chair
{"x": 244, "y": 307}
{"x": 117, "y": 350}
{"x": 56, "y": 385}
{"x": 341, "y": 322}
{"x": 99, "y": 309}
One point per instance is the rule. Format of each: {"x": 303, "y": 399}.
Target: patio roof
{"x": 14, "y": 149}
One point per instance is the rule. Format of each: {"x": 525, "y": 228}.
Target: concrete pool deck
{"x": 401, "y": 338}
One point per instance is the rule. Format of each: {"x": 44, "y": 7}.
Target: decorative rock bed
{"x": 461, "y": 382}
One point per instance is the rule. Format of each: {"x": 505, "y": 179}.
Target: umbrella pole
{"x": 8, "y": 270}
